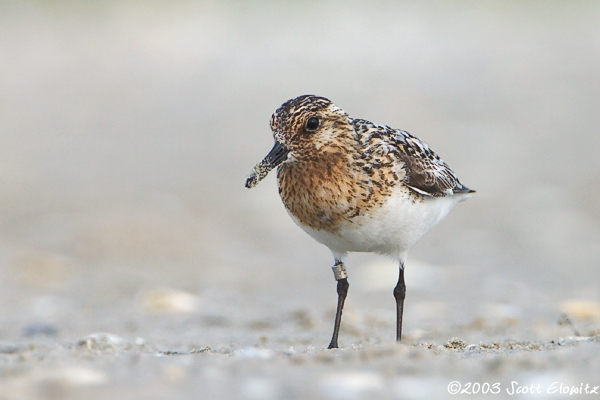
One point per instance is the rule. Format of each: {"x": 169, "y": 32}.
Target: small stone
{"x": 580, "y": 308}
{"x": 168, "y": 300}
{"x": 103, "y": 342}
{"x": 456, "y": 344}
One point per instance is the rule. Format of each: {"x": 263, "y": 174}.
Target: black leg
{"x": 342, "y": 290}
{"x": 399, "y": 295}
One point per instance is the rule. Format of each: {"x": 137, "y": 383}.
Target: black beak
{"x": 277, "y": 155}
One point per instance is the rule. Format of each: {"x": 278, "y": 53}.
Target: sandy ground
{"x": 134, "y": 264}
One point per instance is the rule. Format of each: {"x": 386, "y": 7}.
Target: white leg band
{"x": 339, "y": 271}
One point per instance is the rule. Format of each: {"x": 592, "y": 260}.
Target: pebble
{"x": 580, "y": 308}
{"x": 103, "y": 341}
{"x": 80, "y": 376}
{"x": 254, "y": 353}
{"x": 167, "y": 300}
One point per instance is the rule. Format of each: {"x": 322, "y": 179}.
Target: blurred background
{"x": 127, "y": 129}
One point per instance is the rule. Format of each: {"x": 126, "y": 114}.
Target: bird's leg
{"x": 399, "y": 295}
{"x": 339, "y": 271}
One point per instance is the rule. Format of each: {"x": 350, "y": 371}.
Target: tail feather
{"x": 462, "y": 189}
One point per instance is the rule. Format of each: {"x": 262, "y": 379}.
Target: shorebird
{"x": 356, "y": 186}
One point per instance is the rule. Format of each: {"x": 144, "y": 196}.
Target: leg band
{"x": 339, "y": 271}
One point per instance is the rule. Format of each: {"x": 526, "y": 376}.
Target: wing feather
{"x": 426, "y": 172}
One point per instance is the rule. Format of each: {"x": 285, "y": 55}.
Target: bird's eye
{"x": 312, "y": 124}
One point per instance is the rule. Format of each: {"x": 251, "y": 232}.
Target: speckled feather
{"x": 426, "y": 173}
{"x": 355, "y": 185}
{"x": 353, "y": 169}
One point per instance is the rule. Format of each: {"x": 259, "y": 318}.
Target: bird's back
{"x": 425, "y": 172}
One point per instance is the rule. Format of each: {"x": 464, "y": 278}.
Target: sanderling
{"x": 356, "y": 186}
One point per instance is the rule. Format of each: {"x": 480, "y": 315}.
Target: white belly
{"x": 392, "y": 229}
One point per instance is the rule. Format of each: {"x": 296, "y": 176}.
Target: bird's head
{"x": 302, "y": 128}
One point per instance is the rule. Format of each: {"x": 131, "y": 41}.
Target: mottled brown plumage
{"x": 356, "y": 186}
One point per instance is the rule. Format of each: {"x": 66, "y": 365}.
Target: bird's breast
{"x": 330, "y": 192}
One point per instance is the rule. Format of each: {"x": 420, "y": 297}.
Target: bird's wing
{"x": 426, "y": 172}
